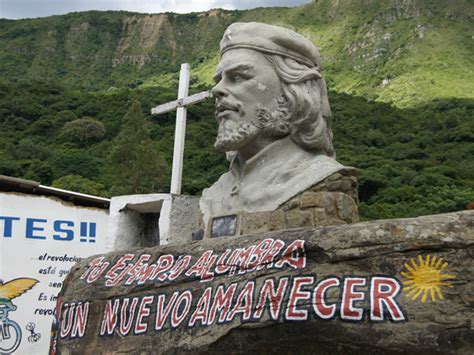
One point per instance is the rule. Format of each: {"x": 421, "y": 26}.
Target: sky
{"x": 17, "y": 9}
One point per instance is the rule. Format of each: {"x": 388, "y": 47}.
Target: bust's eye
{"x": 236, "y": 77}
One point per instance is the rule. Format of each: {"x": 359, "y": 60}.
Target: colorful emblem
{"x": 10, "y": 331}
{"x": 426, "y": 278}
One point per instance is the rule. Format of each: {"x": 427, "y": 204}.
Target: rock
{"x": 334, "y": 185}
{"x": 255, "y": 222}
{"x": 346, "y": 207}
{"x": 329, "y": 202}
{"x": 320, "y": 217}
{"x": 347, "y": 185}
{"x": 388, "y": 286}
{"x": 277, "y": 221}
{"x": 291, "y": 204}
{"x": 312, "y": 199}
{"x": 299, "y": 218}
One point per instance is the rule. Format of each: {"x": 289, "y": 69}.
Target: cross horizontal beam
{"x": 186, "y": 101}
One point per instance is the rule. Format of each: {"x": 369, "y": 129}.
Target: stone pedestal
{"x": 151, "y": 219}
{"x": 333, "y": 201}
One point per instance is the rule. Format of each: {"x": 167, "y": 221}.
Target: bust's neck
{"x": 253, "y": 148}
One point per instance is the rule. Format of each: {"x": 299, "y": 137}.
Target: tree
{"x": 83, "y": 131}
{"x": 135, "y": 163}
{"x": 80, "y": 184}
{"x": 40, "y": 171}
{"x": 65, "y": 116}
{"x": 75, "y": 161}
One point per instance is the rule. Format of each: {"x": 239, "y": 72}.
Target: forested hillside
{"x": 400, "y": 75}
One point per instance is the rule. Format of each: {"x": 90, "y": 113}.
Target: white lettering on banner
{"x": 296, "y": 298}
{"x": 269, "y": 253}
{"x": 283, "y": 299}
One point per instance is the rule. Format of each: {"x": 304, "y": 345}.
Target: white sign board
{"x": 40, "y": 240}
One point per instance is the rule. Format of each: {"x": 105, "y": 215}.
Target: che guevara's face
{"x": 245, "y": 85}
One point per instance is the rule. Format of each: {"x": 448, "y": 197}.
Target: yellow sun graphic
{"x": 426, "y": 278}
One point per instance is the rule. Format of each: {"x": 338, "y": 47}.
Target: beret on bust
{"x": 271, "y": 40}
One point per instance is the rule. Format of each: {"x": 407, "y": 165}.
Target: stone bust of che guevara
{"x": 275, "y": 127}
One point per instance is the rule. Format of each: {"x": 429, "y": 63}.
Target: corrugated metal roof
{"x": 11, "y": 184}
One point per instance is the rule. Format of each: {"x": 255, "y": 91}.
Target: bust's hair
{"x": 308, "y": 114}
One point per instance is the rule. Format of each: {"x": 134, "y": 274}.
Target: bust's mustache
{"x": 224, "y": 105}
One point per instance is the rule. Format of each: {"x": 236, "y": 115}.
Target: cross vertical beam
{"x": 179, "y": 133}
{"x": 180, "y": 129}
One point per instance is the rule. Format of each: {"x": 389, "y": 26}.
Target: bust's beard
{"x": 232, "y": 136}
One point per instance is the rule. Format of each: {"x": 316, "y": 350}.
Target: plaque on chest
{"x": 225, "y": 226}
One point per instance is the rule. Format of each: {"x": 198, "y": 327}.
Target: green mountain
{"x": 405, "y": 52}
{"x": 400, "y": 75}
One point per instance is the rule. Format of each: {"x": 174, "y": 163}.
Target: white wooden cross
{"x": 179, "y": 133}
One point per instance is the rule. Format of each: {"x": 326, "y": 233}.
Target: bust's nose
{"x": 219, "y": 90}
